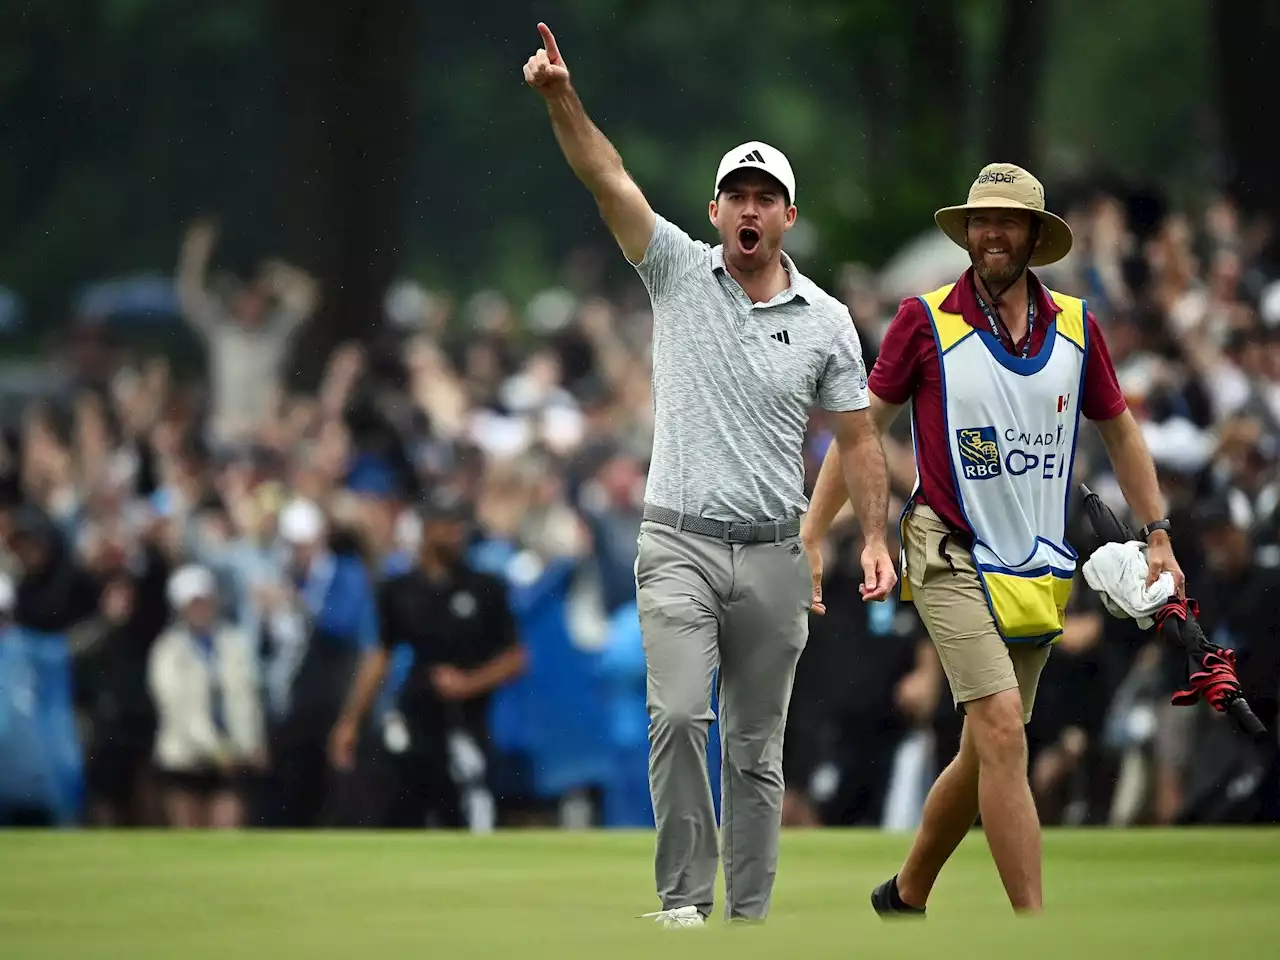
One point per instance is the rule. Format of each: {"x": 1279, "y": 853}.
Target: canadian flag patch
{"x": 1064, "y": 401}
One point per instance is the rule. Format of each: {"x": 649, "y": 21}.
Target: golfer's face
{"x": 999, "y": 241}
{"x": 751, "y": 215}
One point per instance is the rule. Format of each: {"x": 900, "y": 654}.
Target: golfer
{"x": 999, "y": 371}
{"x": 743, "y": 348}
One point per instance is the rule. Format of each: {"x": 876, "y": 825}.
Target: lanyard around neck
{"x": 999, "y": 330}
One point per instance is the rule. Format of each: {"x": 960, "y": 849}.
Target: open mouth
{"x": 748, "y": 239}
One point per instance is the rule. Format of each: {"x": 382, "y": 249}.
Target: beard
{"x": 1001, "y": 274}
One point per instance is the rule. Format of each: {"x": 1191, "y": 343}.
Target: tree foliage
{"x": 403, "y": 130}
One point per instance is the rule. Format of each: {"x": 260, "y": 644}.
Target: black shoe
{"x": 886, "y": 901}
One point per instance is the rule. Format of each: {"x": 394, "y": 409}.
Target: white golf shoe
{"x": 676, "y": 918}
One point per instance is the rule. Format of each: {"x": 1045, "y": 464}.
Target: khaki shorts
{"x": 953, "y": 607}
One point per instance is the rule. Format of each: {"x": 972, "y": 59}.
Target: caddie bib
{"x": 1011, "y": 425}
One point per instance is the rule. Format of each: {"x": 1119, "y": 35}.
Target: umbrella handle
{"x": 1246, "y": 719}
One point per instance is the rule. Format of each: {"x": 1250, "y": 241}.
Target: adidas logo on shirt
{"x": 782, "y": 337}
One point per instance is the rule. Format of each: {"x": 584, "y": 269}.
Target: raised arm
{"x": 593, "y": 158}
{"x": 195, "y": 301}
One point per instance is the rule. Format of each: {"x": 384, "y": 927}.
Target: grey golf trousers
{"x": 705, "y": 603}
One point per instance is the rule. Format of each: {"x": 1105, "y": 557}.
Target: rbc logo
{"x": 979, "y": 452}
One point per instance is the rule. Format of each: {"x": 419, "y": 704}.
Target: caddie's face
{"x": 751, "y": 213}
{"x": 999, "y": 243}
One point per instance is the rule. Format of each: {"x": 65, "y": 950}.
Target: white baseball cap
{"x": 191, "y": 582}
{"x": 757, "y": 156}
{"x": 301, "y": 523}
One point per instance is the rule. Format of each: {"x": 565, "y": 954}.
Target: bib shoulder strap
{"x": 1071, "y": 321}
{"x": 949, "y": 328}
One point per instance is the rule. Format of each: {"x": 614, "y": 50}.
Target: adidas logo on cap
{"x": 758, "y": 156}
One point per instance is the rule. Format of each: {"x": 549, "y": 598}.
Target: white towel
{"x": 1118, "y": 572}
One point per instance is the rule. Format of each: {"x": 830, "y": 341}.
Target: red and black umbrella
{"x": 1211, "y": 669}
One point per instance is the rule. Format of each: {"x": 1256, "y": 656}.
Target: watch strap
{"x": 1146, "y": 532}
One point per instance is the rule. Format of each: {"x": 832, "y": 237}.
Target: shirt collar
{"x": 204, "y": 640}
{"x": 962, "y": 301}
{"x": 797, "y": 289}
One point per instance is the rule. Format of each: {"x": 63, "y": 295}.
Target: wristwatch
{"x": 1146, "y": 532}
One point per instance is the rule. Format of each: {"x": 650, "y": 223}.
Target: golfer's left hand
{"x": 878, "y": 575}
{"x": 814, "y": 551}
{"x": 1160, "y": 559}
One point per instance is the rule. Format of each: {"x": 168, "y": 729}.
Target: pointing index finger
{"x": 549, "y": 42}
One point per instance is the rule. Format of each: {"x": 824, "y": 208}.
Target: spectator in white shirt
{"x": 246, "y": 338}
{"x": 203, "y": 679}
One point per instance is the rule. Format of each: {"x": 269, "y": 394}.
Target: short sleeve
{"x": 844, "y": 377}
{"x": 906, "y": 342}
{"x": 670, "y": 255}
{"x": 1103, "y": 398}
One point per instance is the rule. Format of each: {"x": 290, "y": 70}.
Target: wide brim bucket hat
{"x": 1004, "y": 186}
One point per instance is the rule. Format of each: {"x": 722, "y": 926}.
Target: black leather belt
{"x": 764, "y": 531}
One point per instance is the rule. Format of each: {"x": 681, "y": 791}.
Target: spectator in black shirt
{"x": 111, "y": 650}
{"x": 111, "y": 687}
{"x": 1238, "y": 607}
{"x": 868, "y": 678}
{"x": 1238, "y": 610}
{"x": 54, "y": 592}
{"x": 1067, "y": 755}
{"x": 463, "y": 636}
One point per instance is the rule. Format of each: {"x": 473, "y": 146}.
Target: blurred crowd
{"x": 176, "y": 555}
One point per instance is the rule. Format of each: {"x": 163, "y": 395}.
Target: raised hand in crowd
{"x": 342, "y": 374}
{"x": 297, "y": 291}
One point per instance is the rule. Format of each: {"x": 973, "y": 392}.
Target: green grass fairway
{"x": 363, "y": 896}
